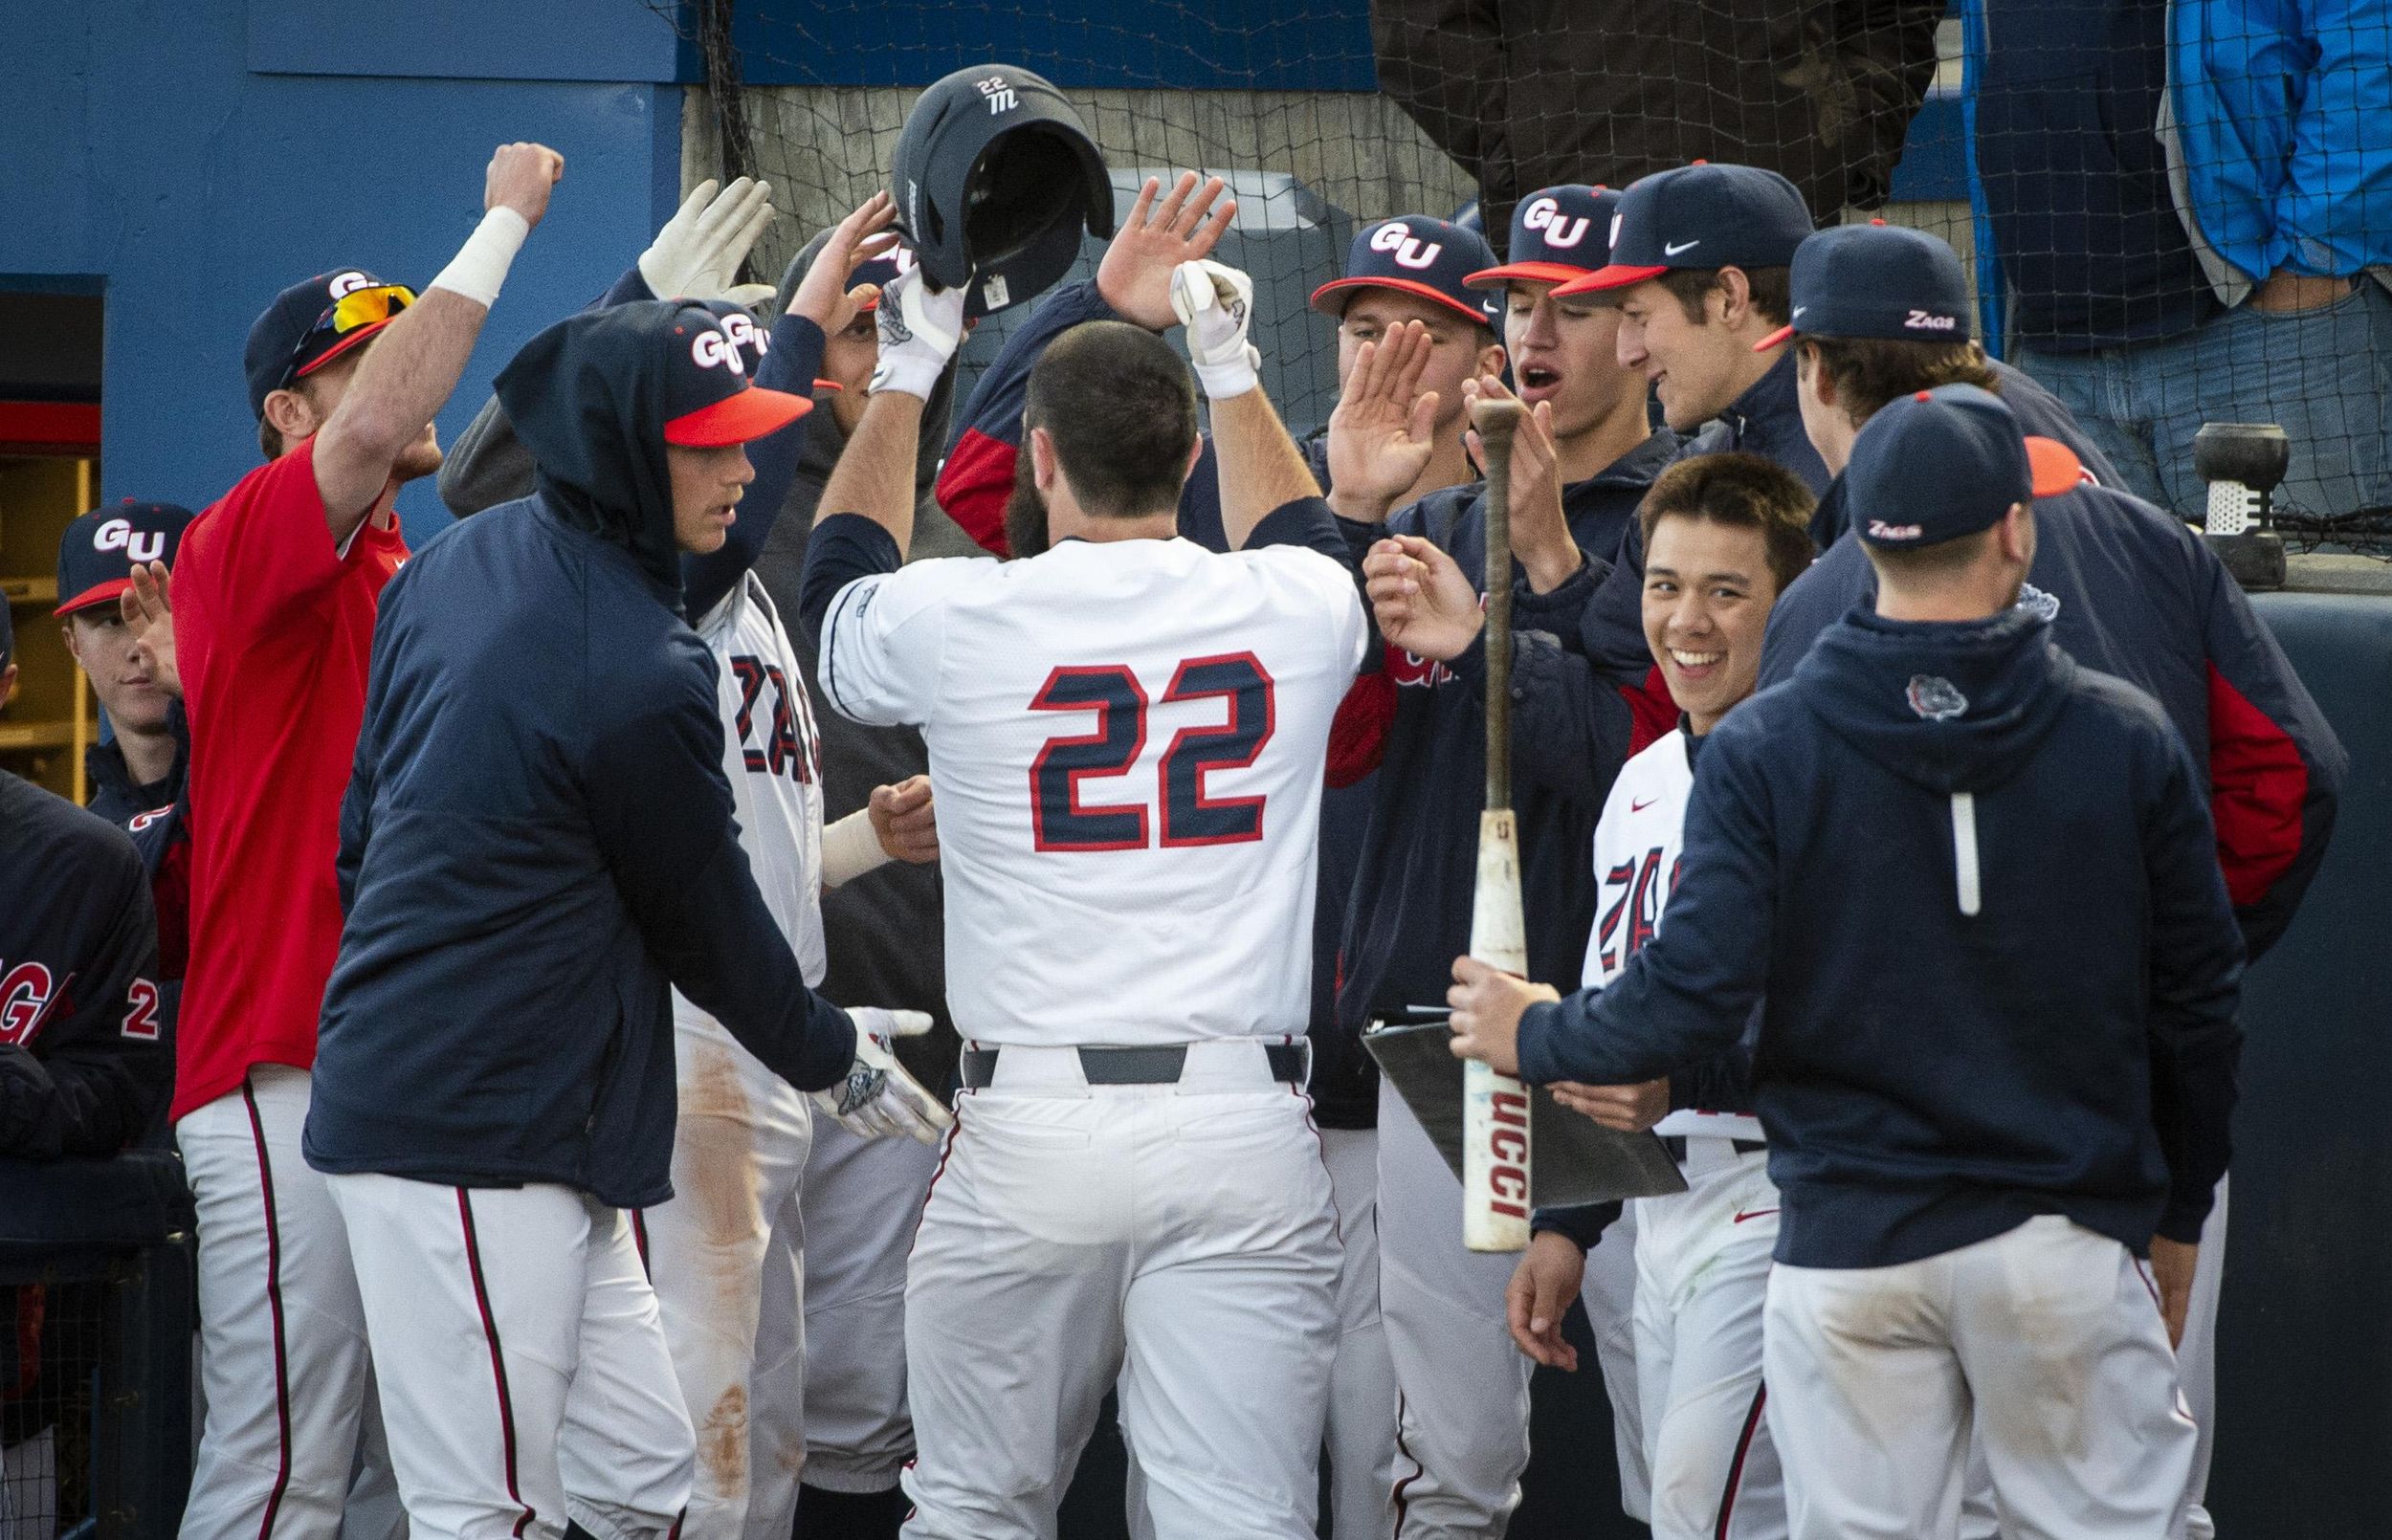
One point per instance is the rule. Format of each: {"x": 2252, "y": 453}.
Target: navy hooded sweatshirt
{"x": 538, "y": 838}
{"x": 1972, "y": 884}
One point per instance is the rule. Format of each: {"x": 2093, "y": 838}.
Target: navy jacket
{"x": 2132, "y": 591}
{"x": 1767, "y": 420}
{"x": 1948, "y": 1046}
{"x": 538, "y": 838}
{"x": 1410, "y": 905}
{"x": 86, "y": 1056}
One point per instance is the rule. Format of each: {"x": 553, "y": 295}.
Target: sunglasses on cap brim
{"x": 358, "y": 311}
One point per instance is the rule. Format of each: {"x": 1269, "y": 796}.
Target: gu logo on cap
{"x": 716, "y": 350}
{"x": 138, "y": 545}
{"x": 1562, "y": 232}
{"x": 350, "y": 282}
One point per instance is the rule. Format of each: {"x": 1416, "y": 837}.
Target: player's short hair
{"x": 1772, "y": 291}
{"x": 1870, "y": 371}
{"x": 1119, "y": 407}
{"x": 269, "y": 439}
{"x": 1915, "y": 564}
{"x": 1742, "y": 491}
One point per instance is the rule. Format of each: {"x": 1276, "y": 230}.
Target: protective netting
{"x": 2170, "y": 208}
{"x": 50, "y": 1346}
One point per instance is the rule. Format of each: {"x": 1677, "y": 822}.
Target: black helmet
{"x": 994, "y": 178}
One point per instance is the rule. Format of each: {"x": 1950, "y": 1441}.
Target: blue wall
{"x": 147, "y": 146}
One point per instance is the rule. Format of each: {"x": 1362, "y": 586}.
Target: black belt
{"x": 1138, "y": 1066}
{"x": 1675, "y": 1144}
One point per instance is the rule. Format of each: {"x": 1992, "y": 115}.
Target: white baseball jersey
{"x": 773, "y": 760}
{"x": 1127, "y": 742}
{"x": 1639, "y": 844}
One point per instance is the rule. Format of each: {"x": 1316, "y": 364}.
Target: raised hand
{"x": 149, "y": 617}
{"x": 698, "y": 254}
{"x": 1380, "y": 434}
{"x": 1422, "y": 599}
{"x": 520, "y": 177}
{"x": 822, "y": 297}
{"x": 1541, "y": 541}
{"x": 1134, "y": 277}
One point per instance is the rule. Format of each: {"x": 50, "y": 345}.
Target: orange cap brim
{"x": 1776, "y": 339}
{"x": 738, "y": 419}
{"x": 1526, "y": 273}
{"x": 99, "y": 593}
{"x": 1602, "y": 280}
{"x": 2052, "y": 466}
{"x": 1337, "y": 286}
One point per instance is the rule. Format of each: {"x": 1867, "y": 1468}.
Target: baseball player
{"x": 2130, "y": 590}
{"x": 274, "y": 598}
{"x": 86, "y": 1057}
{"x": 139, "y": 769}
{"x": 1724, "y": 534}
{"x": 1585, "y": 456}
{"x": 496, "y": 1085}
{"x": 1988, "y": 1076}
{"x": 725, "y": 1257}
{"x": 1127, "y": 736}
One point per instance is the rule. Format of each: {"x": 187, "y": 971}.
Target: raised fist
{"x": 520, "y": 177}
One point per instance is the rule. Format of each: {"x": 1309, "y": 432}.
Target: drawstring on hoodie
{"x": 1965, "y": 847}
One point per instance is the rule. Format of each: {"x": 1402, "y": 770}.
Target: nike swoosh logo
{"x": 1635, "y": 807}
{"x": 1798, "y": 312}
{"x": 1682, "y": 246}
{"x": 1753, "y": 1214}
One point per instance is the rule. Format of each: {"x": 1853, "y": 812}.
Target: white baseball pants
{"x": 2045, "y": 1340}
{"x": 283, "y": 1362}
{"x": 1703, "y": 1277}
{"x": 1360, "y": 1432}
{"x": 860, "y": 1202}
{"x": 1463, "y": 1440}
{"x": 1178, "y": 1239}
{"x": 525, "y": 1377}
{"x": 727, "y": 1258}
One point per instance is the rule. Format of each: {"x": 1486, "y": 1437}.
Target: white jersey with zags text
{"x": 1638, "y": 844}
{"x": 1126, "y": 742}
{"x": 773, "y": 760}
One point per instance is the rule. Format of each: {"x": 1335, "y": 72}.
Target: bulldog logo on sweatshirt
{"x": 1934, "y": 698}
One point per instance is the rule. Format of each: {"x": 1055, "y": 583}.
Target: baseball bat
{"x": 1495, "y": 1107}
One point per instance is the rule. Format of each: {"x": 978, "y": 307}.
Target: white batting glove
{"x": 919, "y": 331}
{"x": 698, "y": 254}
{"x": 878, "y": 1098}
{"x": 1214, "y": 303}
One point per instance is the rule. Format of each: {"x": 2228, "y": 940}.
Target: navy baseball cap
{"x": 1416, "y": 255}
{"x": 1877, "y": 281}
{"x": 313, "y": 322}
{"x": 710, "y": 395}
{"x": 1699, "y": 216}
{"x": 100, "y": 550}
{"x": 1559, "y": 234}
{"x": 1943, "y": 463}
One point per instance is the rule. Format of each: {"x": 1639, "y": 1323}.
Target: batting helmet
{"x": 994, "y": 180}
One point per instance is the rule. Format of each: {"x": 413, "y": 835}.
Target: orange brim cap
{"x": 1776, "y": 339}
{"x": 739, "y": 418}
{"x": 1526, "y": 273}
{"x": 1605, "y": 280}
{"x": 2052, "y": 468}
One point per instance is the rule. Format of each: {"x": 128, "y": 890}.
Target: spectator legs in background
{"x": 282, "y": 1345}
{"x": 2324, "y": 375}
{"x": 860, "y": 1200}
{"x": 1463, "y": 1441}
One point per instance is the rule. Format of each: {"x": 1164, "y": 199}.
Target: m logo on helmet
{"x": 1562, "y": 232}
{"x": 715, "y": 350}
{"x": 1409, "y": 249}
{"x": 138, "y": 545}
{"x": 1000, "y": 96}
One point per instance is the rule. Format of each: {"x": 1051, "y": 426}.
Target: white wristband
{"x": 1232, "y": 378}
{"x": 480, "y": 265}
{"x": 850, "y": 848}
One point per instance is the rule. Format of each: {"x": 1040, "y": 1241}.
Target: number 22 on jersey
{"x": 1064, "y": 817}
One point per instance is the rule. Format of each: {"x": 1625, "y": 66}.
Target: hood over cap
{"x": 594, "y": 397}
{"x": 1957, "y": 708}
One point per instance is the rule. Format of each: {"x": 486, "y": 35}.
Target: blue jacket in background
{"x": 538, "y": 839}
{"x": 1940, "y": 1060}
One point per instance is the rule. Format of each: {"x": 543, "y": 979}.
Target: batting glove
{"x": 919, "y": 330}
{"x": 698, "y": 254}
{"x": 1214, "y": 303}
{"x": 878, "y": 1098}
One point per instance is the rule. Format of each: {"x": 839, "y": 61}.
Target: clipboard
{"x": 1574, "y": 1160}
